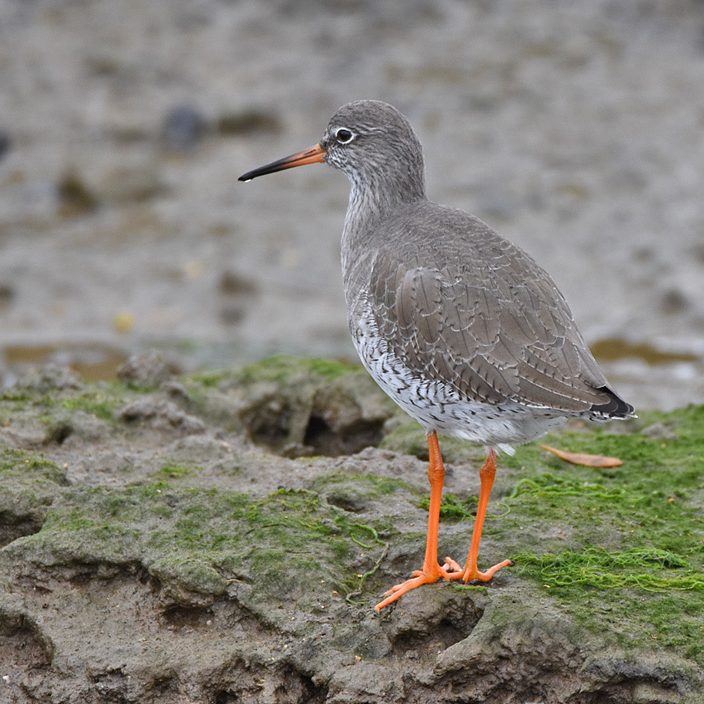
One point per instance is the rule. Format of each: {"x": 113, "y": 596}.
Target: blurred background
{"x": 575, "y": 128}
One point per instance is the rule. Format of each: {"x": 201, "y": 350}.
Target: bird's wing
{"x": 466, "y": 318}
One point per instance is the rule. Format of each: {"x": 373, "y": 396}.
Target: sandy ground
{"x": 574, "y": 128}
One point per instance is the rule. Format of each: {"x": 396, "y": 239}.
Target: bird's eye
{"x": 344, "y": 136}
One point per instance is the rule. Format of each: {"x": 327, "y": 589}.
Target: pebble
{"x": 150, "y": 369}
{"x": 183, "y": 128}
{"x": 5, "y": 143}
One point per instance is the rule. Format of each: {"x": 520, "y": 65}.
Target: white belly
{"x": 438, "y": 406}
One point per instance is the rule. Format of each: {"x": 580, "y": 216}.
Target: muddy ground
{"x": 573, "y": 128}
{"x": 223, "y": 537}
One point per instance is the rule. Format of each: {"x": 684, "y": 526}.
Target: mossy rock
{"x": 280, "y": 369}
{"x": 194, "y": 542}
{"x": 605, "y": 560}
{"x": 296, "y": 406}
{"x": 621, "y": 550}
{"x": 28, "y": 484}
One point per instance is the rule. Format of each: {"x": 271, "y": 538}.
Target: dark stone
{"x": 75, "y": 197}
{"x": 233, "y": 284}
{"x": 147, "y": 369}
{"x": 51, "y": 377}
{"x": 5, "y": 143}
{"x": 674, "y": 301}
{"x": 183, "y": 128}
{"x": 248, "y": 122}
{"x": 7, "y": 293}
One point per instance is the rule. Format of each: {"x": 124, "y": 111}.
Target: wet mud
{"x": 572, "y": 129}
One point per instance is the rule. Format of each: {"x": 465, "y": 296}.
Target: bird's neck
{"x": 372, "y": 199}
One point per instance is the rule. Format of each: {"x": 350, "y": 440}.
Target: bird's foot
{"x": 418, "y": 579}
{"x": 452, "y": 571}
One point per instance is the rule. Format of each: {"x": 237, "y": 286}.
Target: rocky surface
{"x": 215, "y": 538}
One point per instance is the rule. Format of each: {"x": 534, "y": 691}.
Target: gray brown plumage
{"x": 469, "y": 310}
{"x": 459, "y": 326}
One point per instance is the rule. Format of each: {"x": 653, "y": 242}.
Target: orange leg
{"x": 470, "y": 572}
{"x": 431, "y": 570}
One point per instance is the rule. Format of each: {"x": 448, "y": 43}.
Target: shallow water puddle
{"x": 611, "y": 349}
{"x": 92, "y": 362}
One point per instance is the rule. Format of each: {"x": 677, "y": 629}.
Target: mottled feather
{"x": 464, "y": 306}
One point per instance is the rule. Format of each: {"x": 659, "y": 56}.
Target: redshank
{"x": 461, "y": 328}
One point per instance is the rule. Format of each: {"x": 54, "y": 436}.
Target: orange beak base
{"x": 314, "y": 155}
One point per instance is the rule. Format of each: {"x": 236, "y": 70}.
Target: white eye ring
{"x": 343, "y": 135}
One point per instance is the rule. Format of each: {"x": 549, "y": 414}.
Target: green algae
{"x": 175, "y": 471}
{"x": 291, "y": 543}
{"x": 279, "y": 369}
{"x": 100, "y": 400}
{"x": 604, "y": 569}
{"x": 96, "y": 404}
{"x": 190, "y": 573}
{"x": 295, "y": 407}
{"x": 472, "y": 588}
{"x": 28, "y": 485}
{"x": 453, "y": 508}
{"x": 405, "y": 436}
{"x": 371, "y": 485}
{"x": 621, "y": 550}
{"x": 20, "y": 463}
{"x": 638, "y": 596}
{"x": 282, "y": 368}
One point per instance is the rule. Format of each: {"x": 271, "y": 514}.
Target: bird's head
{"x": 370, "y": 141}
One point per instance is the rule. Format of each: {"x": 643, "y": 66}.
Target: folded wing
{"x": 491, "y": 323}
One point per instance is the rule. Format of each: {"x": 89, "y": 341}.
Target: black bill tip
{"x": 314, "y": 155}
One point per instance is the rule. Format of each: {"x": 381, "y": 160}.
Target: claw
{"x": 450, "y": 571}
{"x": 451, "y": 565}
{"x": 394, "y": 589}
{"x": 418, "y": 579}
{"x": 472, "y": 574}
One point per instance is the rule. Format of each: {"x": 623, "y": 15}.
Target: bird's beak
{"x": 314, "y": 155}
